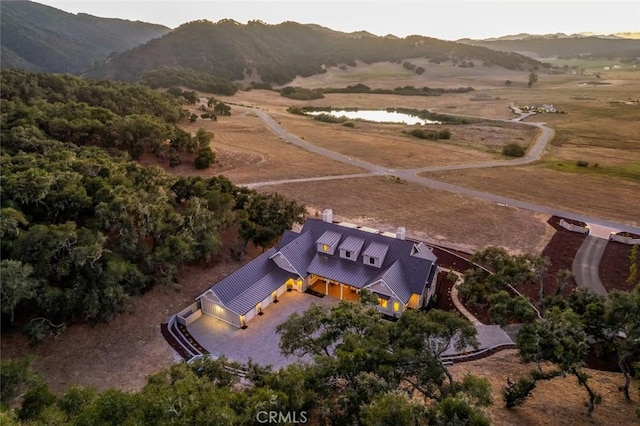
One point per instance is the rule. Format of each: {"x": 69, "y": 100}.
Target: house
{"x": 337, "y": 259}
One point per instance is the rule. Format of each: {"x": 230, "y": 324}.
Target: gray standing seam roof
{"x": 329, "y": 238}
{"x": 352, "y": 244}
{"x": 299, "y": 252}
{"x": 241, "y": 290}
{"x": 394, "y": 278}
{"x": 377, "y": 250}
{"x": 403, "y": 273}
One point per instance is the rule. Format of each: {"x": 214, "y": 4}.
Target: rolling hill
{"x": 279, "y": 53}
{"x": 42, "y": 38}
{"x": 562, "y": 45}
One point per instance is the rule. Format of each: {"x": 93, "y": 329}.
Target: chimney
{"x": 327, "y": 215}
{"x": 401, "y": 233}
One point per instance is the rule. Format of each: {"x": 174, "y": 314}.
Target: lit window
{"x": 347, "y": 254}
{"x": 396, "y": 306}
{"x": 325, "y": 248}
{"x": 372, "y": 260}
{"x": 383, "y": 303}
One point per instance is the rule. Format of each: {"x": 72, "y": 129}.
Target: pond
{"x": 377, "y": 116}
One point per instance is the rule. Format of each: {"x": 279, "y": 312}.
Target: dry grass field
{"x": 597, "y": 196}
{"x": 596, "y": 129}
{"x": 560, "y": 401}
{"x": 429, "y": 215}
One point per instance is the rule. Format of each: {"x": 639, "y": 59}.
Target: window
{"x": 325, "y": 248}
{"x": 382, "y": 302}
{"x": 347, "y": 254}
{"x": 372, "y": 260}
{"x": 396, "y": 306}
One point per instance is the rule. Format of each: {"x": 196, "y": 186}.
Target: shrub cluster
{"x": 513, "y": 150}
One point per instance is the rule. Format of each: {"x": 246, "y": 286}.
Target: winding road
{"x": 533, "y": 154}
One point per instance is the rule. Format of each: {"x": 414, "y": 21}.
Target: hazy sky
{"x": 449, "y": 20}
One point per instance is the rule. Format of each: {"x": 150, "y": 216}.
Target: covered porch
{"x": 334, "y": 289}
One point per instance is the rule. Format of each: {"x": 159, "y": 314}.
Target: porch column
{"x": 326, "y": 287}
{"x": 341, "y": 287}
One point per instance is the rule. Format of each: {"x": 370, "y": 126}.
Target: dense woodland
{"x": 83, "y": 226}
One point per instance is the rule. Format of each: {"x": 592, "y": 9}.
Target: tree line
{"x": 82, "y": 227}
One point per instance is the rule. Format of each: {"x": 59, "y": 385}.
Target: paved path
{"x": 410, "y": 174}
{"x": 489, "y": 336}
{"x": 586, "y": 262}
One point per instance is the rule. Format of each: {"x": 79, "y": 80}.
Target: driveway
{"x": 259, "y": 340}
{"x": 586, "y": 262}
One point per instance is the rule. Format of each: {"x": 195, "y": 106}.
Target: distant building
{"x": 335, "y": 259}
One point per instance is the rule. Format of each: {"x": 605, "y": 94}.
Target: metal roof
{"x": 377, "y": 250}
{"x": 241, "y": 290}
{"x": 329, "y": 238}
{"x": 402, "y": 269}
{"x": 299, "y": 252}
{"x": 352, "y": 244}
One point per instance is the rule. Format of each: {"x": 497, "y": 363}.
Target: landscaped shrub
{"x": 513, "y": 150}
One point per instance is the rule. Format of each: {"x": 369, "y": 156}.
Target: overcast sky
{"x": 448, "y": 20}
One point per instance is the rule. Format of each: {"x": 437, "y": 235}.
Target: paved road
{"x": 586, "y": 262}
{"x": 410, "y": 174}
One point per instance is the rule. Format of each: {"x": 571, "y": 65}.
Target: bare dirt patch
{"x": 429, "y": 215}
{"x": 557, "y": 402}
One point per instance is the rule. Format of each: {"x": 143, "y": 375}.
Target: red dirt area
{"x": 614, "y": 266}
{"x": 561, "y": 250}
{"x": 452, "y": 259}
{"x": 443, "y": 293}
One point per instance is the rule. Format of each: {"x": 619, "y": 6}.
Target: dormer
{"x": 374, "y": 254}
{"x": 328, "y": 242}
{"x": 350, "y": 248}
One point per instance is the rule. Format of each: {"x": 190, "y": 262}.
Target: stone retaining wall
{"x": 574, "y": 228}
{"x": 625, "y": 240}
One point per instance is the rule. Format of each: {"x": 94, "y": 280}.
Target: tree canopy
{"x": 83, "y": 227}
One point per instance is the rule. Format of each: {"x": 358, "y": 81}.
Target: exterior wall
{"x": 189, "y": 314}
{"x": 217, "y": 310}
{"x": 414, "y": 301}
{"x": 389, "y": 309}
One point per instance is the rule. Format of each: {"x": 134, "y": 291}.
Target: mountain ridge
{"x": 42, "y": 38}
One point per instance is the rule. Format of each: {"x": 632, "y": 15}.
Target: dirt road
{"x": 532, "y": 155}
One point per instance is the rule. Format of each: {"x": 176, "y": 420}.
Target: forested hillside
{"x": 83, "y": 226}
{"x": 36, "y": 37}
{"x": 278, "y": 53}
